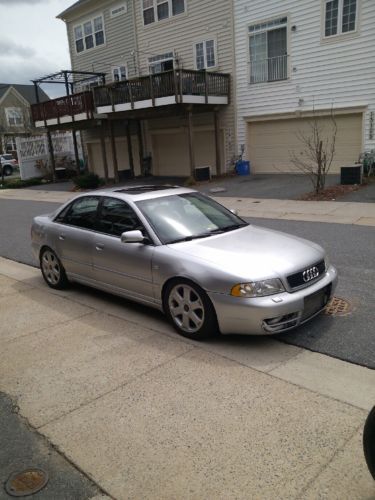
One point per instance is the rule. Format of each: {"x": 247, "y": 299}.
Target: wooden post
{"x": 114, "y": 152}
{"x": 130, "y": 148}
{"x": 104, "y": 153}
{"x": 140, "y": 146}
{"x": 76, "y": 155}
{"x": 217, "y": 142}
{"x": 191, "y": 142}
{"x": 51, "y": 155}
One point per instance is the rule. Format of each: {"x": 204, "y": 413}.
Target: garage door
{"x": 270, "y": 144}
{"x": 171, "y": 152}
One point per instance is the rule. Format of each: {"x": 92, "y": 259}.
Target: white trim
{"x": 81, "y": 24}
{"x": 17, "y": 94}
{"x": 340, "y": 34}
{"x": 117, "y": 67}
{"x": 39, "y": 123}
{"x": 154, "y": 7}
{"x": 358, "y": 109}
{"x": 191, "y": 99}
{"x": 211, "y": 38}
{"x": 19, "y": 111}
{"x": 66, "y": 119}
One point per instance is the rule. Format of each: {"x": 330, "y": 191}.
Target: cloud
{"x": 9, "y": 48}
{"x": 9, "y": 3}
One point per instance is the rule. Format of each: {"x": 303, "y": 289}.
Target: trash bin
{"x": 243, "y": 167}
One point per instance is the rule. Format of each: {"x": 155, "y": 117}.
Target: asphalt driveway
{"x": 264, "y": 186}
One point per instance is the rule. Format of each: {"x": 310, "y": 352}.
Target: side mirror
{"x": 234, "y": 211}
{"x": 132, "y": 237}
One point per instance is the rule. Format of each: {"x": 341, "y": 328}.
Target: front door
{"x": 122, "y": 267}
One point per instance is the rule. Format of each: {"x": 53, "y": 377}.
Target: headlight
{"x": 257, "y": 288}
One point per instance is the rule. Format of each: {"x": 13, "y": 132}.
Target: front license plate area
{"x": 315, "y": 302}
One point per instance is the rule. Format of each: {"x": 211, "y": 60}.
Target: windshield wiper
{"x": 233, "y": 226}
{"x": 190, "y": 238}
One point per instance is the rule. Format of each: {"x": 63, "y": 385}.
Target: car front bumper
{"x": 276, "y": 313}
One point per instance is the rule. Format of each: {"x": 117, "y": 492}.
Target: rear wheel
{"x": 52, "y": 270}
{"x": 190, "y": 310}
{"x": 8, "y": 170}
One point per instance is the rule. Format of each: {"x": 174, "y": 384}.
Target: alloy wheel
{"x": 186, "y": 308}
{"x": 51, "y": 267}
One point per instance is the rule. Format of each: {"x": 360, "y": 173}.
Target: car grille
{"x": 297, "y": 280}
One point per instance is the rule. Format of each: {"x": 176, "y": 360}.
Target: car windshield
{"x": 185, "y": 217}
{"x": 7, "y": 157}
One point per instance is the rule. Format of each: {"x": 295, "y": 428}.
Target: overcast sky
{"x": 33, "y": 42}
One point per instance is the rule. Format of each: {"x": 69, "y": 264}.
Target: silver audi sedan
{"x": 178, "y": 250}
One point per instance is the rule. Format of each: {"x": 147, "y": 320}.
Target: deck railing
{"x": 64, "y": 106}
{"x": 169, "y": 83}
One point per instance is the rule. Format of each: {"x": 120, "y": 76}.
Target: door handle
{"x": 62, "y": 237}
{"x": 99, "y": 247}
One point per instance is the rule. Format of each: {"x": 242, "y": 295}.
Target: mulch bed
{"x": 332, "y": 193}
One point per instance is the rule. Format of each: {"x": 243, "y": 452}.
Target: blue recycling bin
{"x": 243, "y": 167}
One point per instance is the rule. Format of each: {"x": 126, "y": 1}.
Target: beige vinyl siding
{"x": 327, "y": 73}
{"x": 171, "y": 152}
{"x": 271, "y": 144}
{"x": 120, "y": 41}
{"x": 95, "y": 158}
{"x": 201, "y": 21}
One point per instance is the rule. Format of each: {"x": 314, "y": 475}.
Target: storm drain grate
{"x": 26, "y": 482}
{"x": 338, "y": 307}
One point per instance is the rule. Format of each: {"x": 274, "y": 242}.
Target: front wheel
{"x": 369, "y": 442}
{"x": 52, "y": 270}
{"x": 190, "y": 310}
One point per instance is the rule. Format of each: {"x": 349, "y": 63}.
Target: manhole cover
{"x": 338, "y": 307}
{"x": 26, "y": 482}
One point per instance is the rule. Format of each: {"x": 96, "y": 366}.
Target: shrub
{"x": 88, "y": 181}
{"x": 19, "y": 183}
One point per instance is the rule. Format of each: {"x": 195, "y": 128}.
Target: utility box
{"x": 351, "y": 174}
{"x": 202, "y": 173}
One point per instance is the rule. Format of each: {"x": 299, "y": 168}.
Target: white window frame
{"x": 154, "y": 6}
{"x": 9, "y": 111}
{"x": 155, "y": 60}
{"x": 340, "y": 14}
{"x": 118, "y": 68}
{"x": 265, "y": 26}
{"x": 119, "y": 9}
{"x": 204, "y": 41}
{"x": 93, "y": 32}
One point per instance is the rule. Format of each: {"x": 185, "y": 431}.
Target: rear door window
{"x": 80, "y": 213}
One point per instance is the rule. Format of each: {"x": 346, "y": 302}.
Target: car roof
{"x": 141, "y": 192}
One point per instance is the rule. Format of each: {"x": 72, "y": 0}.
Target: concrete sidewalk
{"x": 312, "y": 211}
{"x": 147, "y": 414}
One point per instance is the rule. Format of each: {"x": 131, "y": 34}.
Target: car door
{"x": 122, "y": 267}
{"x": 73, "y": 236}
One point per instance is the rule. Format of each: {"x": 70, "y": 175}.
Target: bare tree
{"x": 319, "y": 147}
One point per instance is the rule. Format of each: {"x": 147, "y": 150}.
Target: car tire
{"x": 190, "y": 310}
{"x": 52, "y": 270}
{"x": 369, "y": 442}
{"x": 8, "y": 170}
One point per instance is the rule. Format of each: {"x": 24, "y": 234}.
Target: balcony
{"x": 161, "y": 89}
{"x": 72, "y": 108}
{"x": 271, "y": 69}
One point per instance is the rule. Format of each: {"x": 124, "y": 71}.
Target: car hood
{"x": 253, "y": 252}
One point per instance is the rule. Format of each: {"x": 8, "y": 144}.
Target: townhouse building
{"x": 296, "y": 59}
{"x": 150, "y": 86}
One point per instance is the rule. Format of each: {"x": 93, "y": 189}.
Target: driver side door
{"x": 124, "y": 268}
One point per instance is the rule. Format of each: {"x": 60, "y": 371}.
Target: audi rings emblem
{"x": 310, "y": 274}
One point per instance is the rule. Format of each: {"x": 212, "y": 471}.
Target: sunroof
{"x": 143, "y": 189}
